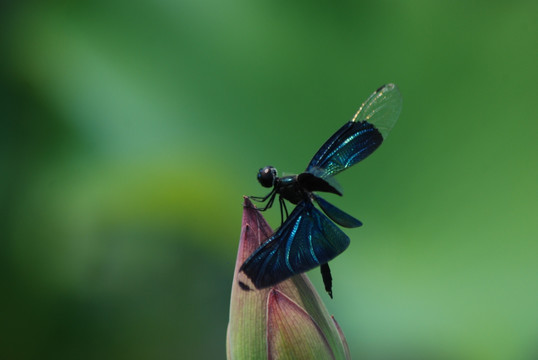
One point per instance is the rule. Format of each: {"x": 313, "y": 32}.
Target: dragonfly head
{"x": 267, "y": 176}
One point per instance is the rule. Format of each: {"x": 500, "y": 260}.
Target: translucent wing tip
{"x": 386, "y": 87}
{"x": 381, "y": 109}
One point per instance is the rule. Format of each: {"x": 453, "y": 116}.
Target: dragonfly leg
{"x": 282, "y": 206}
{"x": 262, "y": 198}
{"x": 270, "y": 196}
{"x": 269, "y": 203}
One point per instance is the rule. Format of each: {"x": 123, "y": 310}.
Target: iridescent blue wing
{"x": 361, "y": 136}
{"x": 337, "y": 215}
{"x": 306, "y": 240}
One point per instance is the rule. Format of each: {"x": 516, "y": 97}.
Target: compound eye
{"x": 267, "y": 176}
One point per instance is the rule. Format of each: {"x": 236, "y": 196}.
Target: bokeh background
{"x": 131, "y": 130}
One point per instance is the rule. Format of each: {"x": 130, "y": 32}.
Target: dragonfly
{"x": 308, "y": 237}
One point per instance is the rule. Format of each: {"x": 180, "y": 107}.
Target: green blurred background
{"x": 131, "y": 130}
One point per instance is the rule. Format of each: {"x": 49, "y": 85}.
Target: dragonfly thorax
{"x": 290, "y": 189}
